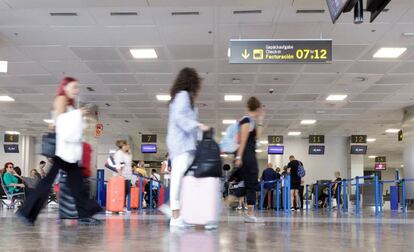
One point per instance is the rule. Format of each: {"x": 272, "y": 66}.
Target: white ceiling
{"x": 94, "y": 47}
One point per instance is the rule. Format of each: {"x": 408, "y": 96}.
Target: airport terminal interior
{"x": 335, "y": 79}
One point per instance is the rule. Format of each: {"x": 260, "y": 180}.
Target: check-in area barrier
{"x": 353, "y": 186}
{"x": 141, "y": 181}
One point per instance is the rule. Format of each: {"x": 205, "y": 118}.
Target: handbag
{"x": 49, "y": 144}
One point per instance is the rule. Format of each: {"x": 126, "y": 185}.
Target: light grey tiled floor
{"x": 149, "y": 231}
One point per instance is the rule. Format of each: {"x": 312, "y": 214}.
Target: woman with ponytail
{"x": 68, "y": 124}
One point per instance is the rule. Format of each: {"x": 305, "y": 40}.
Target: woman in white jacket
{"x": 69, "y": 127}
{"x": 123, "y": 161}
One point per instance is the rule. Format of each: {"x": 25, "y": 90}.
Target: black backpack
{"x": 207, "y": 161}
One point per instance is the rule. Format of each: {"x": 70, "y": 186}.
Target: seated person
{"x": 11, "y": 181}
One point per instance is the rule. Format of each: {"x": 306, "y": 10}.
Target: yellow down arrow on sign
{"x": 245, "y": 54}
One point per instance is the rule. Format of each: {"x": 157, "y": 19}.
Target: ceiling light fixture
{"x": 229, "y": 121}
{"x": 233, "y": 97}
{"x": 259, "y": 151}
{"x": 224, "y": 155}
{"x": 408, "y": 34}
{"x": 294, "y": 133}
{"x": 3, "y": 66}
{"x": 390, "y": 52}
{"x": 392, "y": 130}
{"x": 6, "y": 98}
{"x": 223, "y": 133}
{"x": 336, "y": 97}
{"x": 228, "y": 52}
{"x": 372, "y": 157}
{"x": 264, "y": 142}
{"x": 148, "y": 53}
{"x": 49, "y": 121}
{"x": 12, "y": 132}
{"x": 163, "y": 97}
{"x": 308, "y": 122}
{"x": 371, "y": 140}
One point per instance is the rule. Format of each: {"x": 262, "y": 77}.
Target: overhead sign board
{"x": 400, "y": 136}
{"x": 316, "y": 149}
{"x": 316, "y": 139}
{"x": 11, "y": 138}
{"x": 259, "y": 51}
{"x": 380, "y": 166}
{"x": 380, "y": 159}
{"x": 145, "y": 138}
{"x": 275, "y": 139}
{"x": 359, "y": 139}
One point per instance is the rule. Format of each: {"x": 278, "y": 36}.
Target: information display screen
{"x": 316, "y": 139}
{"x": 316, "y": 149}
{"x": 380, "y": 166}
{"x": 149, "y": 148}
{"x": 11, "y": 138}
{"x": 11, "y": 148}
{"x": 259, "y": 51}
{"x": 145, "y": 138}
{"x": 275, "y": 139}
{"x": 359, "y": 149}
{"x": 359, "y": 139}
{"x": 275, "y": 150}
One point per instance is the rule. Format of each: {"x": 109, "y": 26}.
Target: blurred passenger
{"x": 34, "y": 174}
{"x": 141, "y": 169}
{"x": 156, "y": 178}
{"x": 238, "y": 189}
{"x": 166, "y": 170}
{"x": 270, "y": 176}
{"x": 18, "y": 174}
{"x": 123, "y": 162}
{"x": 69, "y": 130}
{"x": 182, "y": 131}
{"x": 250, "y": 130}
{"x": 11, "y": 181}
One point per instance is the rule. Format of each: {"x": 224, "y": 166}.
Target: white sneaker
{"x": 246, "y": 208}
{"x": 210, "y": 226}
{"x": 177, "y": 223}
{"x": 239, "y": 208}
{"x": 252, "y": 219}
{"x": 166, "y": 210}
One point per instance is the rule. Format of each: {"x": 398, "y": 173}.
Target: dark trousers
{"x": 127, "y": 190}
{"x": 85, "y": 206}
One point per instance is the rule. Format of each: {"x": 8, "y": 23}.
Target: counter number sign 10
{"x": 275, "y": 139}
{"x": 359, "y": 139}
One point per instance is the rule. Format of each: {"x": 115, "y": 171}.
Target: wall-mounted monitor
{"x": 380, "y": 166}
{"x": 149, "y": 148}
{"x": 359, "y": 149}
{"x": 336, "y": 7}
{"x": 275, "y": 150}
{"x": 316, "y": 149}
{"x": 11, "y": 148}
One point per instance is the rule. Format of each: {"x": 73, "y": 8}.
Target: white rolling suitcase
{"x": 200, "y": 200}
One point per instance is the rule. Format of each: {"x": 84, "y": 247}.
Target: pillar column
{"x": 408, "y": 154}
{"x": 27, "y": 152}
{"x": 276, "y": 161}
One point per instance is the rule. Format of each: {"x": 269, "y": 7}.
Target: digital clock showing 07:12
{"x": 312, "y": 54}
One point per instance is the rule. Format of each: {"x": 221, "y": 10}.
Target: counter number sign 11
{"x": 316, "y": 139}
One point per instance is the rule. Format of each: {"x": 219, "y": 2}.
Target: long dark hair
{"x": 187, "y": 80}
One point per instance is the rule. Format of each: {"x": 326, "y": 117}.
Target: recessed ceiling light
{"x": 294, "y": 133}
{"x": 223, "y": 133}
{"x": 308, "y": 122}
{"x": 370, "y": 140}
{"x": 390, "y": 52}
{"x": 408, "y": 34}
{"x": 259, "y": 151}
{"x": 6, "y": 98}
{"x": 224, "y": 155}
{"x": 359, "y": 79}
{"x": 372, "y": 157}
{"x": 229, "y": 121}
{"x": 12, "y": 132}
{"x": 233, "y": 97}
{"x": 336, "y": 97}
{"x": 392, "y": 130}
{"x": 163, "y": 97}
{"x": 144, "y": 53}
{"x": 48, "y": 121}
{"x": 264, "y": 142}
{"x": 402, "y": 166}
{"x": 3, "y": 66}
